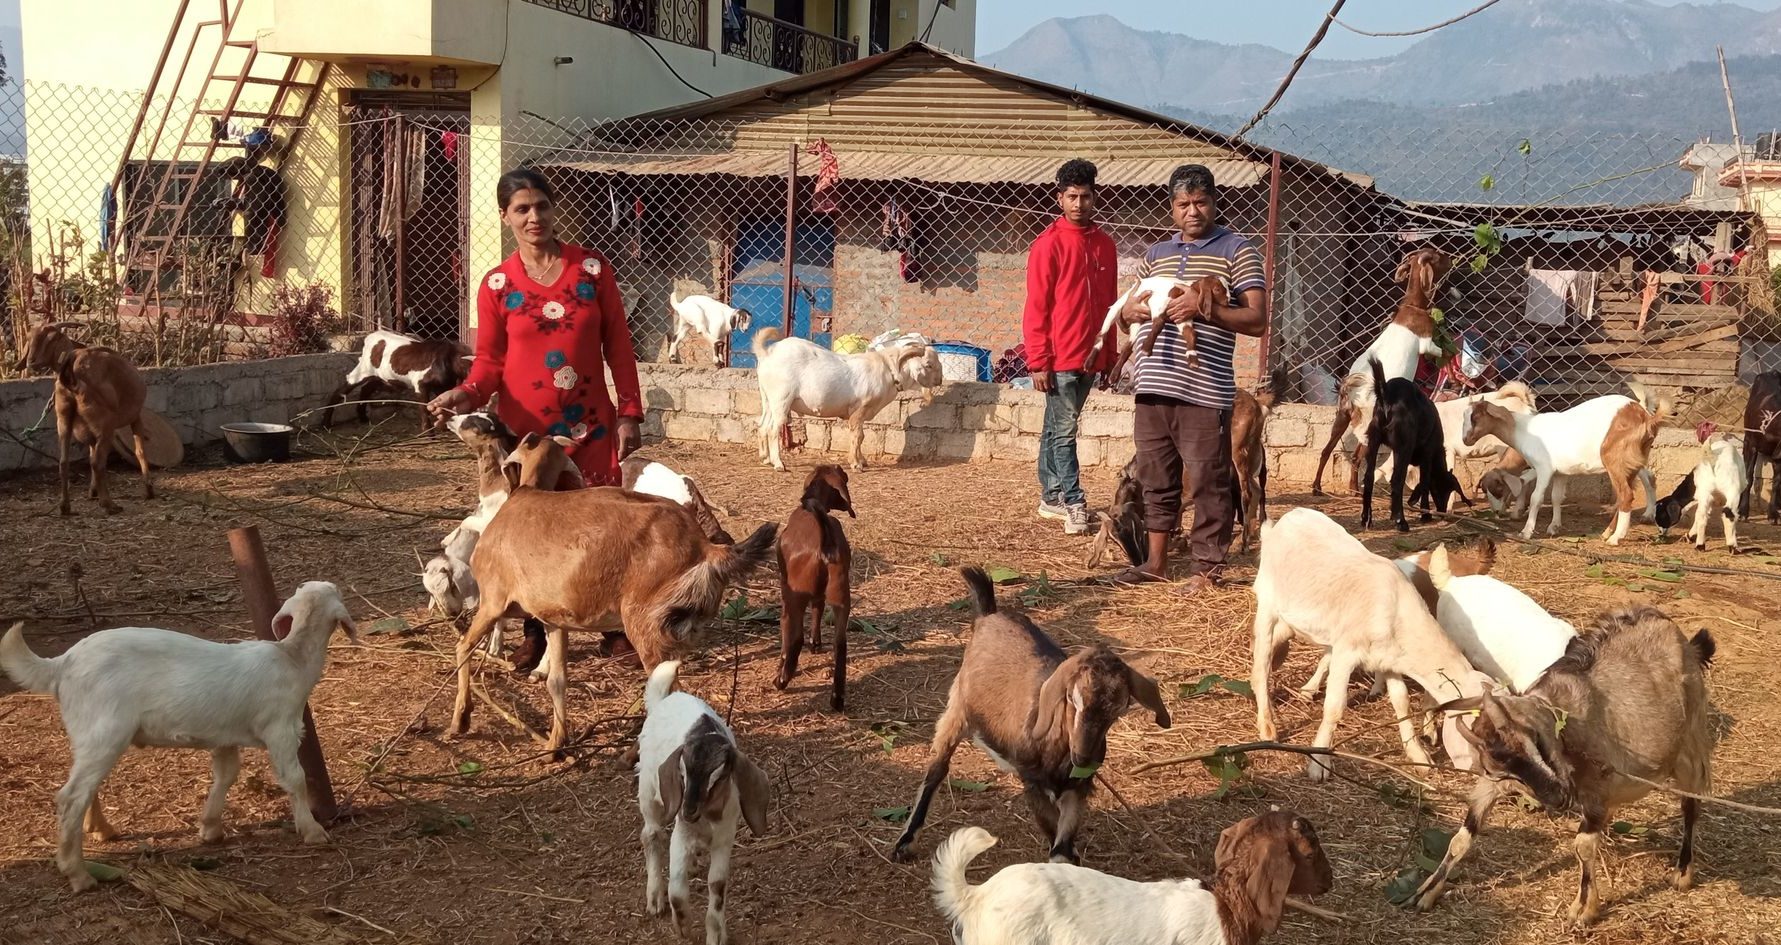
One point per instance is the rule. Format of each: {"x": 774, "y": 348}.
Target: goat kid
{"x": 1762, "y": 441}
{"x": 160, "y": 689}
{"x": 1318, "y": 583}
{"x": 1625, "y": 706}
{"x": 1516, "y": 396}
{"x": 1259, "y": 862}
{"x": 1611, "y": 434}
{"x": 808, "y": 379}
{"x": 652, "y": 478}
{"x": 1039, "y": 713}
{"x": 1710, "y": 489}
{"x": 709, "y": 319}
{"x": 428, "y": 368}
{"x": 691, "y": 774}
{"x": 1405, "y": 420}
{"x": 97, "y": 393}
{"x": 815, "y": 564}
{"x": 1408, "y": 338}
{"x": 1206, "y": 292}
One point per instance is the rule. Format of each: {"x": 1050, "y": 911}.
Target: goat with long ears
{"x": 814, "y": 565}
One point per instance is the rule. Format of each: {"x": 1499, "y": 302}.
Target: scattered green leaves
{"x": 1432, "y": 847}
{"x": 999, "y": 574}
{"x": 895, "y": 815}
{"x": 884, "y": 641}
{"x": 734, "y": 608}
{"x": 1668, "y": 577}
{"x": 1594, "y": 571}
{"x": 1527, "y": 802}
{"x": 1039, "y": 591}
{"x": 103, "y": 872}
{"x": 469, "y": 768}
{"x": 1561, "y": 719}
{"x": 1228, "y": 769}
{"x": 388, "y": 625}
{"x": 1211, "y": 681}
{"x": 1479, "y": 262}
{"x": 1083, "y": 772}
{"x": 463, "y": 821}
{"x": 888, "y": 732}
{"x": 1526, "y": 147}
{"x": 1627, "y": 829}
{"x": 1487, "y": 238}
{"x": 969, "y": 787}
{"x": 939, "y": 559}
{"x": 1683, "y": 594}
{"x": 204, "y": 863}
{"x": 963, "y": 603}
{"x": 1401, "y": 891}
{"x": 1487, "y": 182}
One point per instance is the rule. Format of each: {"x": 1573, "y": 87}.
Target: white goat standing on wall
{"x": 161, "y": 689}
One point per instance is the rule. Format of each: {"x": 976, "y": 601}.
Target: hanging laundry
{"x": 107, "y": 216}
{"x": 415, "y": 165}
{"x": 733, "y": 32}
{"x": 635, "y": 244}
{"x": 895, "y": 230}
{"x": 1647, "y": 295}
{"x": 828, "y": 174}
{"x": 1547, "y": 290}
{"x": 1583, "y": 293}
{"x": 612, "y": 198}
{"x": 448, "y": 141}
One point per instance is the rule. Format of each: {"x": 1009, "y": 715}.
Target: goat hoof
{"x": 1317, "y": 770}
{"x": 782, "y": 680}
{"x": 1583, "y": 916}
{"x": 64, "y": 510}
{"x": 1683, "y": 881}
{"x": 1404, "y": 524}
{"x": 1703, "y": 547}
{"x": 210, "y": 833}
{"x": 81, "y": 881}
{"x": 111, "y": 508}
{"x": 315, "y": 835}
{"x": 656, "y": 901}
{"x": 900, "y": 853}
{"x": 838, "y": 704}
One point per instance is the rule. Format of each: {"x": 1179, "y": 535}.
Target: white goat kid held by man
{"x": 797, "y": 376}
{"x": 160, "y": 689}
{"x": 693, "y": 778}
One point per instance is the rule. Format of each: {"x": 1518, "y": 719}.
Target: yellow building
{"x": 1757, "y": 178}
{"x": 124, "y": 99}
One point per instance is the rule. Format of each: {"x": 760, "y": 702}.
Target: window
{"x": 142, "y": 216}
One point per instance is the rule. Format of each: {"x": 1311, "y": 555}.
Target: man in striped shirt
{"x": 1183, "y": 412}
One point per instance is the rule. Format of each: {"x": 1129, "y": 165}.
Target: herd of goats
{"x": 1584, "y": 719}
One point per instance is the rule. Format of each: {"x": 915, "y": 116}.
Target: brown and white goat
{"x": 98, "y": 393}
{"x": 392, "y": 359}
{"x": 1625, "y": 706}
{"x": 814, "y": 569}
{"x": 1408, "y": 337}
{"x": 1040, "y": 713}
{"x": 1762, "y": 441}
{"x": 600, "y": 559}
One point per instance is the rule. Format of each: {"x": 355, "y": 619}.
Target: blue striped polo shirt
{"x": 1165, "y": 372}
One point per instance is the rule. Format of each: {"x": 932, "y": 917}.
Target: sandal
{"x": 1132, "y": 577}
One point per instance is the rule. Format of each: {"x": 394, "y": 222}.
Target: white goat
{"x": 1610, "y": 434}
{"x": 1259, "y": 861}
{"x": 811, "y": 380}
{"x": 1318, "y": 583}
{"x": 709, "y": 319}
{"x": 1502, "y": 631}
{"x": 690, "y": 773}
{"x": 160, "y": 689}
{"x": 1719, "y": 480}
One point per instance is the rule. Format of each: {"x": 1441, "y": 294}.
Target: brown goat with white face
{"x": 98, "y": 392}
{"x": 814, "y": 566}
{"x": 595, "y": 560}
{"x": 1040, "y": 713}
{"x": 1626, "y": 705}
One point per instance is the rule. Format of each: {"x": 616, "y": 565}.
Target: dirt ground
{"x": 482, "y": 840}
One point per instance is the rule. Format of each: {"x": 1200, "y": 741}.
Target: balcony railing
{"x": 677, "y": 21}
{"x": 785, "y": 46}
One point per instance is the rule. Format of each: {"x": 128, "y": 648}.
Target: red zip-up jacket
{"x": 1072, "y": 279}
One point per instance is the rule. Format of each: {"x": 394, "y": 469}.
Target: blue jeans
{"x": 1060, "y": 476}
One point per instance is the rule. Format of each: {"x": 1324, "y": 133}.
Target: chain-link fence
{"x": 1576, "y": 263}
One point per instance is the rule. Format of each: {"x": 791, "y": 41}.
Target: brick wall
{"x": 979, "y": 422}
{"x": 196, "y": 401}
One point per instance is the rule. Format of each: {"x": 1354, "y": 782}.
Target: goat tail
{"x": 674, "y": 298}
{"x": 1703, "y": 645}
{"x": 1378, "y": 376}
{"x": 762, "y": 339}
{"x": 1440, "y": 569}
{"x": 983, "y": 590}
{"x": 1356, "y": 393}
{"x": 25, "y": 667}
{"x": 661, "y": 683}
{"x": 696, "y": 594}
{"x": 952, "y": 893}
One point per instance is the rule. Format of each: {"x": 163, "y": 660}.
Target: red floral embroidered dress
{"x": 545, "y": 351}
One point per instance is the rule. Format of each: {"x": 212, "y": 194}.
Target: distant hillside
{"x": 1578, "y": 132}
{"x": 1515, "y": 46}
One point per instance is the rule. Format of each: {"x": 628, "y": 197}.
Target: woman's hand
{"x": 630, "y": 436}
{"x": 447, "y": 405}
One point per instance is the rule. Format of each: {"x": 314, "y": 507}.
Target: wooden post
{"x": 262, "y": 598}
{"x": 791, "y": 242}
{"x": 1269, "y": 249}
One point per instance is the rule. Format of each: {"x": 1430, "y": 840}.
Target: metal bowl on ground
{"x": 257, "y": 442}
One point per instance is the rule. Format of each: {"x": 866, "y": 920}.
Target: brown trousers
{"x": 1174, "y": 437}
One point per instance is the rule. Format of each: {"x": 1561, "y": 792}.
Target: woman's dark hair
{"x": 518, "y": 179}
{"x": 1076, "y": 172}
{"x": 1194, "y": 179}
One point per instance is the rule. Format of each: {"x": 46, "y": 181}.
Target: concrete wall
{"x": 977, "y": 422}
{"x": 195, "y": 400}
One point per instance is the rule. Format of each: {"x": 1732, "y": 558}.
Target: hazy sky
{"x": 1283, "y": 24}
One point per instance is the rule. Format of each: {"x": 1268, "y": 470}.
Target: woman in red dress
{"x": 550, "y": 323}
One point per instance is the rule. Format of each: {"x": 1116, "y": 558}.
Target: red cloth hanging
{"x": 269, "y": 250}
{"x": 448, "y": 141}
{"x": 828, "y": 174}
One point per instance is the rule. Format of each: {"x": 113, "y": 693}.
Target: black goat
{"x": 1671, "y": 507}
{"x": 1762, "y": 440}
{"x": 1406, "y": 422}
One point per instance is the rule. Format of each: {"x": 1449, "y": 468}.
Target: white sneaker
{"x": 1076, "y": 520}
{"x": 1053, "y": 510}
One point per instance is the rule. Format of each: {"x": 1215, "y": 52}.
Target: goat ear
{"x": 1270, "y": 875}
{"x": 569, "y": 477}
{"x": 1145, "y": 691}
{"x": 752, "y": 788}
{"x": 670, "y": 784}
{"x": 510, "y": 472}
{"x": 1227, "y": 843}
{"x": 352, "y": 629}
{"x": 281, "y": 626}
{"x": 1403, "y": 272}
{"x": 1212, "y": 295}
{"x": 1054, "y": 701}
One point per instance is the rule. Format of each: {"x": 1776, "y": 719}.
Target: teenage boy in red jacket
{"x": 1072, "y": 279}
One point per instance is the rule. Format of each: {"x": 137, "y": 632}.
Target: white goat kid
{"x": 708, "y": 318}
{"x": 160, "y": 689}
{"x": 690, "y": 773}
{"x": 1719, "y": 479}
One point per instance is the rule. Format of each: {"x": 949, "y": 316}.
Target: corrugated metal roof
{"x": 934, "y": 168}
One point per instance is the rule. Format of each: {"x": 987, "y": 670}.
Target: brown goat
{"x": 1040, "y": 713}
{"x": 1207, "y": 292}
{"x": 1408, "y": 336}
{"x": 814, "y": 569}
{"x": 1249, "y": 418}
{"x": 595, "y": 560}
{"x": 98, "y": 392}
{"x": 1258, "y": 863}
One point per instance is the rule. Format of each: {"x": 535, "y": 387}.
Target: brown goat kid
{"x": 1249, "y": 420}
{"x": 1625, "y": 706}
{"x": 1042, "y": 714}
{"x": 595, "y": 560}
{"x": 98, "y": 392}
{"x": 814, "y": 570}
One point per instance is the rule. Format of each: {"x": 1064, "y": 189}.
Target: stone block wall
{"x": 197, "y": 401}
